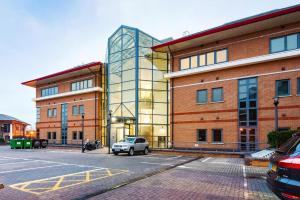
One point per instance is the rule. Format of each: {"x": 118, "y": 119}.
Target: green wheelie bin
{"x": 27, "y": 143}
{"x": 16, "y": 143}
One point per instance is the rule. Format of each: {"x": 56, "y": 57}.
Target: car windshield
{"x": 129, "y": 140}
{"x": 288, "y": 145}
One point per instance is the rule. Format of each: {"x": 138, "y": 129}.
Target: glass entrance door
{"x": 248, "y": 139}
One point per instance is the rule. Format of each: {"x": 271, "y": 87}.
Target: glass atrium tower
{"x": 137, "y": 91}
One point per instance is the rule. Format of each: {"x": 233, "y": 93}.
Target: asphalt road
{"x": 63, "y": 174}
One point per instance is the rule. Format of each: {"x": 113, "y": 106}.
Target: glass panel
{"x": 128, "y": 109}
{"x": 128, "y": 41}
{"x": 115, "y": 97}
{"x": 160, "y": 85}
{"x": 160, "y": 108}
{"x": 210, "y": 58}
{"x": 128, "y": 85}
{"x": 128, "y": 95}
{"x": 160, "y": 64}
{"x": 184, "y": 63}
{"x": 292, "y": 42}
{"x": 252, "y": 115}
{"x": 298, "y": 86}
{"x": 146, "y": 85}
{"x": 144, "y": 40}
{"x": 160, "y": 96}
{"x": 128, "y": 64}
{"x": 282, "y": 87}
{"x": 252, "y": 92}
{"x": 116, "y": 109}
{"x": 217, "y": 135}
{"x": 221, "y": 56}
{"x": 160, "y": 130}
{"x": 145, "y": 119}
{"x": 145, "y": 95}
{"x": 277, "y": 45}
{"x": 128, "y": 75}
{"x": 217, "y": 94}
{"x": 159, "y": 119}
{"x": 243, "y": 104}
{"x": 115, "y": 78}
{"x": 145, "y": 74}
{"x": 145, "y": 52}
{"x": 159, "y": 75}
{"x": 146, "y": 107}
{"x": 243, "y": 115}
{"x": 145, "y": 63}
{"x": 194, "y": 61}
{"x": 128, "y": 53}
{"x": 202, "y": 60}
{"x": 202, "y": 96}
{"x": 115, "y": 87}
{"x": 201, "y": 135}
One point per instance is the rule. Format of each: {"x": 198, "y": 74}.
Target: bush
{"x": 277, "y": 138}
{"x": 1, "y": 140}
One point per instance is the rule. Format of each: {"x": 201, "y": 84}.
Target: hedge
{"x": 277, "y": 138}
{"x": 1, "y": 140}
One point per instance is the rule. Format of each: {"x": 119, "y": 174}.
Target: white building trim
{"x": 65, "y": 94}
{"x": 236, "y": 63}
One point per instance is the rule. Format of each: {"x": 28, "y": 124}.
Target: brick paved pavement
{"x": 208, "y": 178}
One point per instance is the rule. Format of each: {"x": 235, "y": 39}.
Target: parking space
{"x": 69, "y": 174}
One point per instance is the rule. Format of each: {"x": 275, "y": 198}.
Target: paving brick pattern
{"x": 216, "y": 178}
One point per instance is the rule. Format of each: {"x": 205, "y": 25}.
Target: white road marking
{"x": 184, "y": 167}
{"x": 206, "y": 159}
{"x": 226, "y": 163}
{"x": 151, "y": 163}
{"x": 18, "y": 162}
{"x": 28, "y": 169}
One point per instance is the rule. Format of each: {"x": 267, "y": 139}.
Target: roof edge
{"x": 227, "y": 26}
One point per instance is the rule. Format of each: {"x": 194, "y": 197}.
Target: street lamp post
{"x": 108, "y": 129}
{"x": 276, "y": 103}
{"x": 82, "y": 130}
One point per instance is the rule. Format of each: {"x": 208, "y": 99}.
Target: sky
{"x": 40, "y": 37}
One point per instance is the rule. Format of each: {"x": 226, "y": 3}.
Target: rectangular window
{"x": 49, "y": 91}
{"x": 54, "y": 112}
{"x": 54, "y": 135}
{"x": 38, "y": 114}
{"x": 81, "y": 85}
{"x": 292, "y": 42}
{"x": 6, "y": 128}
{"x": 201, "y": 135}
{"x": 49, "y": 113}
{"x": 221, "y": 56}
{"x": 298, "y": 86}
{"x": 75, "y": 110}
{"x": 210, "y": 58}
{"x": 202, "y": 60}
{"x": 74, "y": 135}
{"x": 277, "y": 44}
{"x": 80, "y": 135}
{"x": 194, "y": 61}
{"x": 49, "y": 135}
{"x": 217, "y": 135}
{"x": 81, "y": 109}
{"x": 217, "y": 94}
{"x": 202, "y": 96}
{"x": 283, "y": 87}
{"x": 184, "y": 63}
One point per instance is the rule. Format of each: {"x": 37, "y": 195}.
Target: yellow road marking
{"x": 56, "y": 182}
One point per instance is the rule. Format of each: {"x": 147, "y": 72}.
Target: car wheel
{"x": 146, "y": 151}
{"x": 131, "y": 152}
{"x": 116, "y": 153}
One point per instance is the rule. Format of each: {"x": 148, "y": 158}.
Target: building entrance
{"x": 248, "y": 139}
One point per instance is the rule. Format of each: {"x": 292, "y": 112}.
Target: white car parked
{"x": 131, "y": 145}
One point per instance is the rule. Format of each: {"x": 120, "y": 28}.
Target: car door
{"x": 137, "y": 145}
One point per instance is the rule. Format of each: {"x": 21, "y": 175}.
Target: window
{"x": 49, "y": 135}
{"x": 54, "y": 135}
{"x": 217, "y": 94}
{"x": 80, "y": 135}
{"x": 81, "y": 109}
{"x": 201, "y": 135}
{"x": 298, "y": 86}
{"x": 75, "y": 110}
{"x": 49, "y": 91}
{"x": 81, "y": 85}
{"x": 210, "y": 58}
{"x": 54, "y": 112}
{"x": 49, "y": 113}
{"x": 38, "y": 114}
{"x": 284, "y": 128}
{"x": 6, "y": 128}
{"x": 285, "y": 43}
{"x": 283, "y": 87}
{"x": 221, "y": 56}
{"x": 74, "y": 135}
{"x": 204, "y": 59}
{"x": 217, "y": 135}
{"x": 184, "y": 63}
{"x": 202, "y": 96}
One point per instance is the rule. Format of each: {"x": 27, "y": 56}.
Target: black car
{"x": 284, "y": 171}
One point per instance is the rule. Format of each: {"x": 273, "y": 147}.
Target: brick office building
{"x": 61, "y": 98}
{"x": 223, "y": 81}
{"x": 11, "y": 127}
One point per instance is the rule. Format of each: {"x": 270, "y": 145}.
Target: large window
{"x": 202, "y": 96}
{"x": 49, "y": 91}
{"x": 76, "y": 110}
{"x": 298, "y": 86}
{"x": 52, "y": 112}
{"x": 285, "y": 43}
{"x": 74, "y": 135}
{"x": 81, "y": 85}
{"x": 38, "y": 114}
{"x": 209, "y": 58}
{"x": 217, "y": 135}
{"x": 217, "y": 95}
{"x": 49, "y": 135}
{"x": 54, "y": 135}
{"x": 202, "y": 135}
{"x": 283, "y": 87}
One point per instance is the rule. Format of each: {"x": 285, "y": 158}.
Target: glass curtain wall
{"x": 137, "y": 90}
